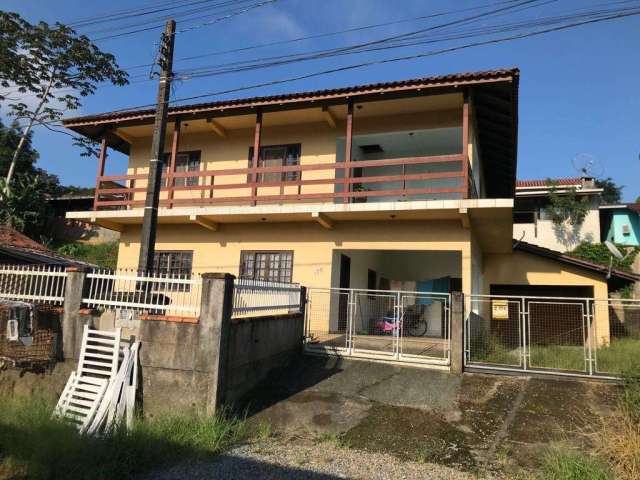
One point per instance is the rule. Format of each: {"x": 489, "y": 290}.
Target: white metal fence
{"x": 261, "y": 298}
{"x": 33, "y": 283}
{"x": 561, "y": 336}
{"x": 379, "y": 324}
{"x": 153, "y": 294}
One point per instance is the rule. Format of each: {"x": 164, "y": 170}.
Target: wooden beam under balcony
{"x": 328, "y": 116}
{"x": 124, "y": 136}
{"x": 217, "y": 128}
{"x": 464, "y": 217}
{"x": 323, "y": 220}
{"x": 204, "y": 222}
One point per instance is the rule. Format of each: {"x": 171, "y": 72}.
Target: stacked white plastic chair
{"x": 101, "y": 392}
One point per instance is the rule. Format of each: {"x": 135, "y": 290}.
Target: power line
{"x": 616, "y": 16}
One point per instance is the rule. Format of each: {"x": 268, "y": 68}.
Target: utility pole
{"x": 150, "y": 222}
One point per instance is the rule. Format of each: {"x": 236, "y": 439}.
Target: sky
{"x": 579, "y": 95}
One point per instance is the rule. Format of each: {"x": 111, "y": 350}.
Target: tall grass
{"x": 565, "y": 464}
{"x": 34, "y": 446}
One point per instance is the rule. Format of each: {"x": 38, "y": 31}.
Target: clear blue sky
{"x": 578, "y": 93}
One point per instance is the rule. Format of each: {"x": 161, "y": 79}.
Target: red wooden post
{"x": 465, "y": 143}
{"x": 171, "y": 168}
{"x": 256, "y": 157}
{"x": 347, "y": 152}
{"x": 102, "y": 157}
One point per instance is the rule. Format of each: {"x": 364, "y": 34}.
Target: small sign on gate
{"x": 500, "y": 309}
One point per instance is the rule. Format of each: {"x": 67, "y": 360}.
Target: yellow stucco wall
{"x": 318, "y": 145}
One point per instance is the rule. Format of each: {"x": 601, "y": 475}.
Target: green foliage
{"x": 102, "y": 254}
{"x": 33, "y": 56}
{"x": 599, "y": 253}
{"x": 34, "y": 446}
{"x": 24, "y": 207}
{"x": 566, "y": 206}
{"x": 612, "y": 192}
{"x": 565, "y": 464}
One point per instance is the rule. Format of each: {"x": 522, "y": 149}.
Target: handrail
{"x": 254, "y": 183}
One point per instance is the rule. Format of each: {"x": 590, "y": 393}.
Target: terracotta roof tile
{"x": 461, "y": 78}
{"x": 543, "y": 182}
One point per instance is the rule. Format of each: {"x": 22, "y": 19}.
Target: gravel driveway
{"x": 300, "y": 459}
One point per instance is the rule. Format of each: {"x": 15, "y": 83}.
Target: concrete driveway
{"x": 471, "y": 421}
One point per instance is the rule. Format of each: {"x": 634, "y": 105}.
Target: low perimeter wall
{"x": 203, "y": 365}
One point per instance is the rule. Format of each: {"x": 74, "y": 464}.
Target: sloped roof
{"x": 463, "y": 78}
{"x": 578, "y": 262}
{"x": 15, "y": 244}
{"x": 543, "y": 182}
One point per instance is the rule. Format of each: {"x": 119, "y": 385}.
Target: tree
{"x": 612, "y": 192}
{"x": 24, "y": 207}
{"x": 26, "y": 161}
{"x": 53, "y": 64}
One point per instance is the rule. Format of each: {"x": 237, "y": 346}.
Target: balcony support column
{"x": 256, "y": 157}
{"x": 465, "y": 143}
{"x": 102, "y": 158}
{"x": 348, "y": 152}
{"x": 171, "y": 168}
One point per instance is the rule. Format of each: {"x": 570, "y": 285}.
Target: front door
{"x": 345, "y": 282}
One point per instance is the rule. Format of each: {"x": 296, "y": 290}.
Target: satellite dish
{"x": 614, "y": 250}
{"x": 587, "y": 165}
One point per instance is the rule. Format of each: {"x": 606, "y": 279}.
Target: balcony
{"x": 442, "y": 177}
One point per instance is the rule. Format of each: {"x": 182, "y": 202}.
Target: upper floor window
{"x": 273, "y": 266}
{"x": 276, "y": 156}
{"x": 185, "y": 162}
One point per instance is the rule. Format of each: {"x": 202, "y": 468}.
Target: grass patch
{"x": 615, "y": 358}
{"x": 619, "y": 355}
{"x": 34, "y": 446}
{"x": 102, "y": 254}
{"x": 565, "y": 464}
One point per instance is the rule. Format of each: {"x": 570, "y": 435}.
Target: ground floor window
{"x": 173, "y": 263}
{"x": 276, "y": 266}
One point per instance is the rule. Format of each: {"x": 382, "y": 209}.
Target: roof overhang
{"x": 616, "y": 275}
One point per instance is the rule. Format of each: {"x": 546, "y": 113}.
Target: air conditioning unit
{"x": 125, "y": 316}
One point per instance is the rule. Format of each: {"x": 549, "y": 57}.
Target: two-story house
{"x": 406, "y": 185}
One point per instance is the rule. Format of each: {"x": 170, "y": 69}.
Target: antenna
{"x": 615, "y": 252}
{"x": 587, "y": 165}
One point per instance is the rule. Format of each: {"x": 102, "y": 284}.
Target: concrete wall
{"x": 561, "y": 238}
{"x": 258, "y": 346}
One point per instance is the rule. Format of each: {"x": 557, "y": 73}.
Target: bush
{"x": 34, "y": 446}
{"x": 599, "y": 253}
{"x": 102, "y": 254}
{"x": 565, "y": 464}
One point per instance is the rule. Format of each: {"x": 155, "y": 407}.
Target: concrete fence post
{"x": 457, "y": 332}
{"x": 71, "y": 325}
{"x": 215, "y": 324}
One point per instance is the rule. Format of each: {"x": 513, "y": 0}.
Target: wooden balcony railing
{"x": 208, "y": 190}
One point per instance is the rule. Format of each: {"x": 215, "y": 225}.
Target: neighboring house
{"x": 621, "y": 223}
{"x": 63, "y": 229}
{"x": 400, "y": 185}
{"x": 532, "y": 222}
{"x": 18, "y": 249}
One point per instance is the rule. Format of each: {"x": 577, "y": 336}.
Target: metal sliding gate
{"x": 398, "y": 326}
{"x": 560, "y": 336}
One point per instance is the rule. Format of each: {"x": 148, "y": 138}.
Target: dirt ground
{"x": 474, "y": 423}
